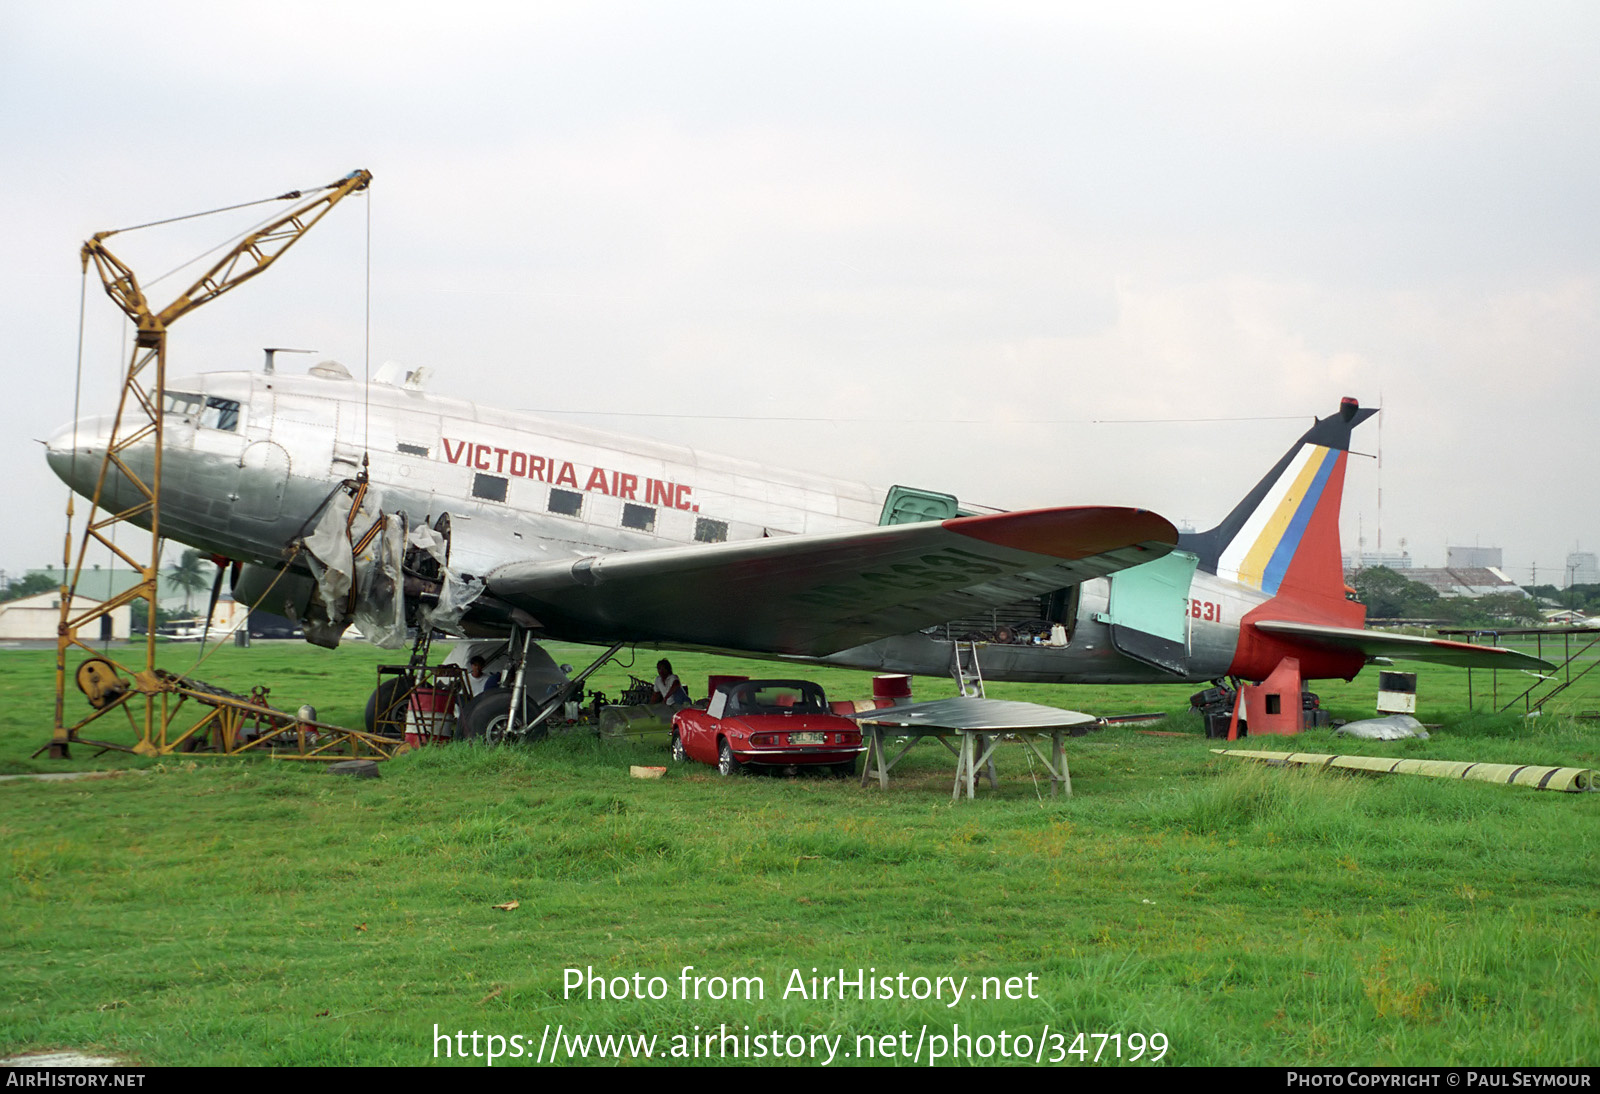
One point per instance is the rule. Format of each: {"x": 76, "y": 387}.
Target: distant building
{"x": 1467, "y": 581}
{"x": 1473, "y": 558}
{"x": 1362, "y": 560}
{"x": 94, "y": 582}
{"x": 1583, "y": 568}
{"x": 101, "y": 583}
{"x": 36, "y": 617}
{"x": 227, "y": 615}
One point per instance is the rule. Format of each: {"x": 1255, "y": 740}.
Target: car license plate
{"x": 807, "y": 738}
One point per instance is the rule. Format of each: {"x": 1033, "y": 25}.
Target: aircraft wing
{"x": 814, "y": 595}
{"x": 1408, "y": 647}
{"x": 973, "y": 713}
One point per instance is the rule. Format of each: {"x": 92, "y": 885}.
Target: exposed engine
{"x": 367, "y": 570}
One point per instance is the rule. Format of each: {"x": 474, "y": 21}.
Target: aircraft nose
{"x": 74, "y": 451}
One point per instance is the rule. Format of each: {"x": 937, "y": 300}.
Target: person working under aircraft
{"x": 668, "y": 688}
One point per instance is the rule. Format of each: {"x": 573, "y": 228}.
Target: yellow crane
{"x": 138, "y": 421}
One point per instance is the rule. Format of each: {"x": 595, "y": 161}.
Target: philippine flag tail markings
{"x": 1283, "y": 538}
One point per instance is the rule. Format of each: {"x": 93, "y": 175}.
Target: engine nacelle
{"x": 295, "y": 596}
{"x": 281, "y": 592}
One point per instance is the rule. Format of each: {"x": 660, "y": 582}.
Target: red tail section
{"x": 1283, "y": 539}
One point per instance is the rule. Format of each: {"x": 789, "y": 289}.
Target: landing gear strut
{"x": 510, "y": 712}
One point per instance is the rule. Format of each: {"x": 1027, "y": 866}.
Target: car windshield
{"x": 777, "y": 697}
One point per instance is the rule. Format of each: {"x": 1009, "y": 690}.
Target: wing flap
{"x": 1408, "y": 646}
{"x": 813, "y": 595}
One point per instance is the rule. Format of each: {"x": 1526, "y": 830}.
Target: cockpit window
{"x": 211, "y": 413}
{"x": 182, "y": 404}
{"x": 221, "y": 414}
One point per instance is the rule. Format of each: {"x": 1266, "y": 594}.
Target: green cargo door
{"x": 908, "y": 505}
{"x": 1149, "y": 611}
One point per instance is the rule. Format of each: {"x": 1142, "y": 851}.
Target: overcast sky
{"x": 1008, "y": 235}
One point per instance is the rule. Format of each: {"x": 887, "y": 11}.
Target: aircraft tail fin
{"x": 1283, "y": 538}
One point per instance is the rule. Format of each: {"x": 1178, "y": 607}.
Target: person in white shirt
{"x": 477, "y": 679}
{"x": 668, "y": 688}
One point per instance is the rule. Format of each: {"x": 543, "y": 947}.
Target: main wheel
{"x": 727, "y": 763}
{"x": 488, "y": 718}
{"x": 387, "y": 705}
{"x": 678, "y": 754}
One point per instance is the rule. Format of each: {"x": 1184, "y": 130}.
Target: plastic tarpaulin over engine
{"x": 364, "y": 586}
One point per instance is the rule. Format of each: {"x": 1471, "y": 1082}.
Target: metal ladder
{"x": 964, "y": 667}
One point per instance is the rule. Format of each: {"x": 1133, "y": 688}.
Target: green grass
{"x": 210, "y": 911}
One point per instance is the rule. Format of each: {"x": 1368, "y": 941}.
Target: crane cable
{"x": 820, "y": 420}
{"x": 205, "y": 654}
{"x": 366, "y": 390}
{"x": 213, "y": 250}
{"x": 68, "y": 576}
{"x": 292, "y": 195}
{"x": 77, "y": 396}
{"x": 70, "y": 571}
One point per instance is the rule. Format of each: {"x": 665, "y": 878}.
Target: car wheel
{"x": 727, "y": 763}
{"x": 848, "y": 768}
{"x": 488, "y": 719}
{"x": 387, "y": 705}
{"x": 678, "y": 754}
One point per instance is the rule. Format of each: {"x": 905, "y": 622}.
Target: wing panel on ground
{"x": 976, "y": 714}
{"x": 1408, "y": 647}
{"x": 812, "y": 595}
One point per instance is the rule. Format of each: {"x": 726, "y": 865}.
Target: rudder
{"x": 1283, "y": 538}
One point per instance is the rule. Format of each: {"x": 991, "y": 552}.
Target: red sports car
{"x": 767, "y": 723}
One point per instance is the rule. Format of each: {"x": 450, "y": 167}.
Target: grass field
{"x": 205, "y": 911}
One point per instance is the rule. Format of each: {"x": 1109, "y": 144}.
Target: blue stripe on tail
{"x": 1290, "y": 543}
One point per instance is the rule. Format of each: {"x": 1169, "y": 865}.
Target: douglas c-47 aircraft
{"x": 339, "y": 502}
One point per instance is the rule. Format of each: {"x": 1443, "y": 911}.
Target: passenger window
{"x": 642, "y": 517}
{"x": 489, "y": 487}
{"x": 566, "y": 503}
{"x": 710, "y": 531}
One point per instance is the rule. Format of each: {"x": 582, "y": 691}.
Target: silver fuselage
{"x": 250, "y": 458}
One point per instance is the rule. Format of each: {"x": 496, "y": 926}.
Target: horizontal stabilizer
{"x": 1407, "y": 647}
{"x": 814, "y": 595}
{"x": 978, "y": 714}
